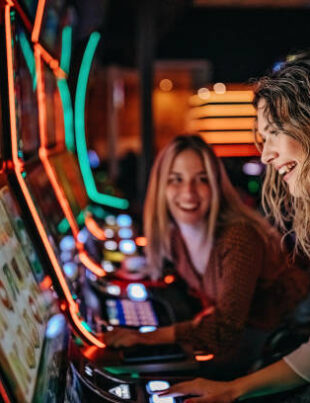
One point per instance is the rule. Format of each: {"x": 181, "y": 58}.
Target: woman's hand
{"x": 205, "y": 390}
{"x": 122, "y": 337}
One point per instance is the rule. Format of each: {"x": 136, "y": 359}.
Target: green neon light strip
{"x": 66, "y": 41}
{"x": 29, "y": 58}
{"x": 68, "y": 113}
{"x": 66, "y": 44}
{"x": 81, "y": 146}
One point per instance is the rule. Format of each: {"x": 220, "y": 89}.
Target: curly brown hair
{"x": 286, "y": 95}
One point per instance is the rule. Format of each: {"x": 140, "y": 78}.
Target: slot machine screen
{"x": 56, "y": 15}
{"x": 54, "y": 112}
{"x": 25, "y": 309}
{"x": 69, "y": 175}
{"x": 31, "y": 7}
{"x": 25, "y": 91}
{"x": 46, "y": 202}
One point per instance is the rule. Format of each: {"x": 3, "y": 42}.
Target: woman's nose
{"x": 189, "y": 187}
{"x": 268, "y": 153}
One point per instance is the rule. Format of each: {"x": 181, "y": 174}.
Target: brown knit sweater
{"x": 246, "y": 283}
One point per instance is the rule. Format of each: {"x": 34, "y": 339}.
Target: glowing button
{"x": 113, "y": 289}
{"x": 55, "y": 326}
{"x": 108, "y": 266}
{"x": 83, "y": 235}
{"x": 110, "y": 245}
{"x": 127, "y": 246}
{"x": 67, "y": 243}
{"x": 125, "y": 233}
{"x": 161, "y": 399}
{"x": 137, "y": 292}
{"x": 147, "y": 329}
{"x": 121, "y": 391}
{"x": 110, "y": 220}
{"x": 109, "y": 232}
{"x": 124, "y": 220}
{"x": 71, "y": 270}
{"x": 156, "y": 386}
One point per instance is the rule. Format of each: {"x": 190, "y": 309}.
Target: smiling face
{"x": 281, "y": 151}
{"x": 188, "y": 193}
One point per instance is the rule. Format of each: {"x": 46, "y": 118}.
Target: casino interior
{"x": 90, "y": 92}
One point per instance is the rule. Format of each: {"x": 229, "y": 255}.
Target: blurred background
{"x": 156, "y": 65}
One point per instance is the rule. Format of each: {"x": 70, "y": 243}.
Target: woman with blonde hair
{"x": 227, "y": 253}
{"x": 282, "y": 100}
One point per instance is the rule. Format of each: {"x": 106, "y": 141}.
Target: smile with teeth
{"x": 188, "y": 206}
{"x": 287, "y": 168}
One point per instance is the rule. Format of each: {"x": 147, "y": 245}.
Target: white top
{"x": 195, "y": 240}
{"x": 299, "y": 361}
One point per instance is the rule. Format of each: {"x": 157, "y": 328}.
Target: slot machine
{"x": 53, "y": 179}
{"x": 34, "y": 334}
{"x": 92, "y": 366}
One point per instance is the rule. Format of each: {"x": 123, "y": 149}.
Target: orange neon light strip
{"x": 228, "y": 137}
{"x": 205, "y": 357}
{"x": 87, "y": 261}
{"x": 228, "y": 96}
{"x": 38, "y": 21}
{"x": 237, "y": 150}
{"x": 222, "y": 124}
{"x": 94, "y": 228}
{"x": 52, "y": 62}
{"x": 222, "y": 110}
{"x": 18, "y": 166}
{"x": 43, "y": 155}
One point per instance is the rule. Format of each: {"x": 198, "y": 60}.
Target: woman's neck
{"x": 193, "y": 230}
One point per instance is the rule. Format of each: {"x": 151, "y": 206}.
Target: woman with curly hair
{"x": 282, "y": 100}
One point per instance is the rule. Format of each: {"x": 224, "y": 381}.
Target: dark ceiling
{"x": 241, "y": 43}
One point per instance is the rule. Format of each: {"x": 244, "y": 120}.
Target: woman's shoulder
{"x": 239, "y": 230}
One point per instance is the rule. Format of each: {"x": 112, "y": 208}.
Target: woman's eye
{"x": 203, "y": 179}
{"x": 174, "y": 180}
{"x": 274, "y": 132}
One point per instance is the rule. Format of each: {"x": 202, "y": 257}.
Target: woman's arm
{"x": 235, "y": 266}
{"x": 276, "y": 377}
{"x": 126, "y": 337}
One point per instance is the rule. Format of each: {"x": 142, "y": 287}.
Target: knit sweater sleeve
{"x": 238, "y": 260}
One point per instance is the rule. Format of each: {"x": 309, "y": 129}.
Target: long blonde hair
{"x": 225, "y": 207}
{"x": 287, "y": 105}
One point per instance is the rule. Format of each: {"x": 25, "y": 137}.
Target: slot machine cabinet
{"x": 42, "y": 150}
{"x": 33, "y": 332}
{"x": 42, "y": 213}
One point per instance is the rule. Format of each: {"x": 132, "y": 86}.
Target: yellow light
{"x": 228, "y": 97}
{"x": 219, "y": 88}
{"x": 203, "y": 93}
{"x": 166, "y": 85}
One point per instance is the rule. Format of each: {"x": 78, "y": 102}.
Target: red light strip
{"x": 18, "y": 168}
{"x": 3, "y": 394}
{"x": 235, "y": 150}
